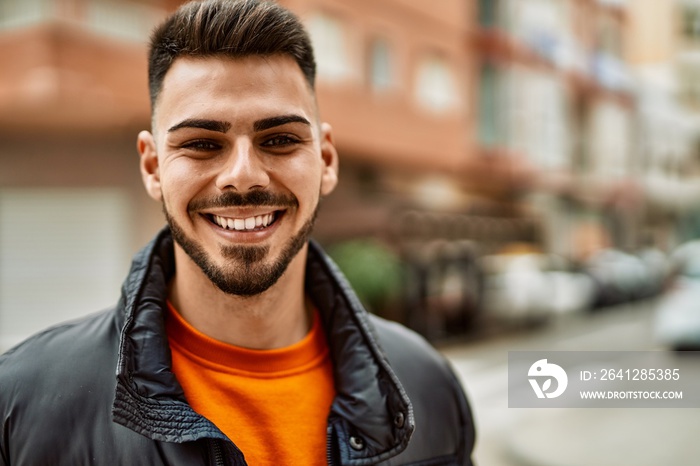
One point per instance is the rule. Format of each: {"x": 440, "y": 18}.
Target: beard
{"x": 245, "y": 273}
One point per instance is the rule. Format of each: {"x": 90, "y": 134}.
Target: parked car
{"x": 621, "y": 277}
{"x": 531, "y": 287}
{"x": 677, "y": 318}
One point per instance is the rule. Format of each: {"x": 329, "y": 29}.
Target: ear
{"x": 150, "y": 172}
{"x": 329, "y": 178}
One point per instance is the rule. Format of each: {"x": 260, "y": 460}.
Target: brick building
{"x": 462, "y": 126}
{"x": 394, "y": 81}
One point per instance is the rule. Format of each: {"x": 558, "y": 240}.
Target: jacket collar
{"x": 370, "y": 399}
{"x": 362, "y": 425}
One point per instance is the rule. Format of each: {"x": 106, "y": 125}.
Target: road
{"x": 574, "y": 437}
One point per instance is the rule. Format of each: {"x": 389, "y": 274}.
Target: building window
{"x": 689, "y": 79}
{"x": 691, "y": 22}
{"x": 488, "y": 13}
{"x": 19, "y": 14}
{"x": 381, "y": 65}
{"x": 122, "y": 19}
{"x": 610, "y": 137}
{"x": 608, "y": 37}
{"x": 330, "y": 43}
{"x": 489, "y": 108}
{"x": 435, "y": 84}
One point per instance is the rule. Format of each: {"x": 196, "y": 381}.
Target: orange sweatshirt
{"x": 273, "y": 404}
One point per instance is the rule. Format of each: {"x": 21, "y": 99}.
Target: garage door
{"x": 63, "y": 254}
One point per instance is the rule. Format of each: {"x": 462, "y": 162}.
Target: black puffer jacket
{"x": 61, "y": 404}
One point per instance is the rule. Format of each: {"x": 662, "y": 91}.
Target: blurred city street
{"x": 575, "y": 436}
{"x": 515, "y": 175}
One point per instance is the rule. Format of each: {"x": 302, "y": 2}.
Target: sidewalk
{"x": 605, "y": 437}
{"x": 574, "y": 436}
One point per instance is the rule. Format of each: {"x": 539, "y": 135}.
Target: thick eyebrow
{"x": 267, "y": 123}
{"x": 211, "y": 125}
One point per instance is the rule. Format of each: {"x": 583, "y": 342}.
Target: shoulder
{"x": 408, "y": 351}
{"x": 57, "y": 341}
{"x": 58, "y": 359}
{"x": 440, "y": 407}
{"x": 56, "y": 385}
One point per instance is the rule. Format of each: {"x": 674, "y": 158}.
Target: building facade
{"x": 463, "y": 126}
{"x": 394, "y": 81}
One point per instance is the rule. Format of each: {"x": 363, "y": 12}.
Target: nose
{"x": 243, "y": 169}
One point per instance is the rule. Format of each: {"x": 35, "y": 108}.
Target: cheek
{"x": 308, "y": 193}
{"x": 303, "y": 179}
{"x": 181, "y": 181}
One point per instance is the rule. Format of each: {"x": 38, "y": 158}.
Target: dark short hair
{"x": 233, "y": 28}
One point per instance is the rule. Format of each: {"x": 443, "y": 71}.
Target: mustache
{"x": 235, "y": 199}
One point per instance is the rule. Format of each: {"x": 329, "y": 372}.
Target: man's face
{"x": 239, "y": 161}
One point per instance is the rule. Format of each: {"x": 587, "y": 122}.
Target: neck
{"x": 276, "y": 318}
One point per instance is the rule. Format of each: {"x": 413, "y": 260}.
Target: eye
{"x": 280, "y": 141}
{"x": 201, "y": 145}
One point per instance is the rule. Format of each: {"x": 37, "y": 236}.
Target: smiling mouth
{"x": 256, "y": 223}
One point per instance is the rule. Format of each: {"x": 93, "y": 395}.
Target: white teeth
{"x": 244, "y": 224}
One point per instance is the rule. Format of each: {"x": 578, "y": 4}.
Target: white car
{"x": 529, "y": 288}
{"x": 677, "y": 318}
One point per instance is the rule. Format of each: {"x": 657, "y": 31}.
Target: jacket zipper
{"x": 329, "y": 447}
{"x": 218, "y": 454}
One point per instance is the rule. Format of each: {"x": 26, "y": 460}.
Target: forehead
{"x": 234, "y": 89}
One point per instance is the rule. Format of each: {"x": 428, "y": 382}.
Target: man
{"x": 236, "y": 340}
